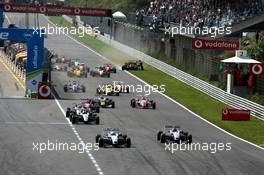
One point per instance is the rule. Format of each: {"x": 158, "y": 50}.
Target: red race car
{"x": 143, "y": 102}
{"x": 108, "y": 68}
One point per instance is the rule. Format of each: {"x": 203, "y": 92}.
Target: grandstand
{"x": 195, "y": 13}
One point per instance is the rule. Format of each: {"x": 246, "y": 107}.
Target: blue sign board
{"x": 35, "y": 47}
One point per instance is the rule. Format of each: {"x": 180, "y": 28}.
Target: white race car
{"x": 85, "y": 116}
{"x": 113, "y": 137}
{"x": 174, "y": 134}
{"x": 74, "y": 86}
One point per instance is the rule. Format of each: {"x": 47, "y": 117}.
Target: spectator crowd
{"x": 197, "y": 13}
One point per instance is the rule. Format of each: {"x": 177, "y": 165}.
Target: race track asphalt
{"x": 25, "y": 121}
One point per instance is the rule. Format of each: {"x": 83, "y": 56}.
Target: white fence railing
{"x": 18, "y": 71}
{"x": 216, "y": 93}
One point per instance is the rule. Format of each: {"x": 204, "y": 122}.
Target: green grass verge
{"x": 198, "y": 102}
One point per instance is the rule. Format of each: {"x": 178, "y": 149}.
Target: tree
{"x": 256, "y": 49}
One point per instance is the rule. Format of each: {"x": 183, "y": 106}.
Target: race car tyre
{"x": 97, "y": 137}
{"x": 97, "y": 120}
{"x": 108, "y": 75}
{"x": 74, "y": 120}
{"x": 117, "y": 94}
{"x": 154, "y": 106}
{"x": 162, "y": 138}
{"x": 190, "y": 139}
{"x": 158, "y": 135}
{"x": 113, "y": 104}
{"x": 83, "y": 89}
{"x": 101, "y": 142}
{"x": 97, "y": 109}
{"x": 68, "y": 112}
{"x": 128, "y": 142}
{"x": 65, "y": 89}
{"x": 127, "y": 89}
{"x": 87, "y": 69}
{"x": 114, "y": 70}
{"x": 70, "y": 118}
{"x": 133, "y": 103}
{"x": 123, "y": 68}
{"x": 125, "y": 136}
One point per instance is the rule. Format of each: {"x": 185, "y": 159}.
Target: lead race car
{"x": 173, "y": 134}
{"x": 114, "y": 137}
{"x": 74, "y": 86}
{"x": 142, "y": 102}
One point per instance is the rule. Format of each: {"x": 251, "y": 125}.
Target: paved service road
{"x": 146, "y": 155}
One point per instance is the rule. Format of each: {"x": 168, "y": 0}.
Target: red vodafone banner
{"x": 215, "y": 44}
{"x": 257, "y": 69}
{"x": 57, "y": 10}
{"x": 235, "y": 114}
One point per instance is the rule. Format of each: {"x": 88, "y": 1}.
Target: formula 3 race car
{"x": 107, "y": 89}
{"x": 78, "y": 72}
{"x": 84, "y": 115}
{"x": 113, "y": 137}
{"x": 120, "y": 87}
{"x": 62, "y": 60}
{"x": 91, "y": 104}
{"x": 108, "y": 68}
{"x": 173, "y": 134}
{"x": 106, "y": 102}
{"x": 142, "y": 102}
{"x": 133, "y": 65}
{"x": 99, "y": 72}
{"x": 74, "y": 86}
{"x": 59, "y": 67}
{"x": 77, "y": 108}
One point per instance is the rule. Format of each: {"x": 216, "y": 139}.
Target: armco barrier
{"x": 216, "y": 93}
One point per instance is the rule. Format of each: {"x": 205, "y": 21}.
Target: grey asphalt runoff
{"x": 145, "y": 157}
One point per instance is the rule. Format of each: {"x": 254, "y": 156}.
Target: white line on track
{"x": 78, "y": 42}
{"x": 33, "y": 123}
{"x": 96, "y": 165}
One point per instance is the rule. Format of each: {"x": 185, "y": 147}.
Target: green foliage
{"x": 256, "y": 50}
